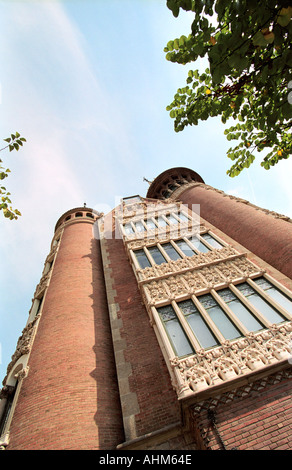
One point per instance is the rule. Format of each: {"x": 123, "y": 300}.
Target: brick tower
{"x": 165, "y": 324}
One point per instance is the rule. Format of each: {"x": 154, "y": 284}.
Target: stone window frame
{"x": 154, "y": 218}
{"x": 174, "y": 245}
{"x": 231, "y": 315}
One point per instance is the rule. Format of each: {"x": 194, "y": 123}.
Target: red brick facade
{"x": 97, "y": 371}
{"x": 268, "y": 237}
{"x": 255, "y": 417}
{"x": 65, "y": 401}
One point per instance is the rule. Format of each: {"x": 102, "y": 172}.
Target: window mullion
{"x": 134, "y": 260}
{"x": 217, "y": 333}
{"x": 229, "y": 313}
{"x": 186, "y": 327}
{"x": 158, "y": 322}
{"x": 148, "y": 254}
{"x": 177, "y": 248}
{"x": 269, "y": 299}
{"x": 279, "y": 286}
{"x": 163, "y": 252}
{"x": 191, "y": 245}
{"x": 202, "y": 240}
{"x": 249, "y": 305}
{"x": 144, "y": 224}
{"x": 134, "y": 228}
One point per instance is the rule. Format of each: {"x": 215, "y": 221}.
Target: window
{"x": 128, "y": 229}
{"x": 208, "y": 320}
{"x": 241, "y": 311}
{"x": 142, "y": 259}
{"x": 203, "y": 334}
{"x": 156, "y": 255}
{"x": 185, "y": 248}
{"x": 171, "y": 219}
{"x": 199, "y": 245}
{"x": 139, "y": 227}
{"x": 174, "y": 250}
{"x": 275, "y": 293}
{"x": 171, "y": 251}
{"x": 175, "y": 332}
{"x": 211, "y": 240}
{"x": 131, "y": 199}
{"x": 260, "y": 303}
{"x": 7, "y": 407}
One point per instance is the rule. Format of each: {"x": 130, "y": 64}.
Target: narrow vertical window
{"x": 240, "y": 310}
{"x": 211, "y": 240}
{"x": 183, "y": 217}
{"x": 156, "y": 255}
{"x": 185, "y": 248}
{"x": 219, "y": 317}
{"x": 199, "y": 327}
{"x": 199, "y": 245}
{"x": 176, "y": 334}
{"x": 171, "y": 219}
{"x": 139, "y": 227}
{"x": 170, "y": 250}
{"x": 161, "y": 222}
{"x": 128, "y": 229}
{"x": 150, "y": 224}
{"x": 142, "y": 259}
{"x": 269, "y": 312}
{"x": 275, "y": 293}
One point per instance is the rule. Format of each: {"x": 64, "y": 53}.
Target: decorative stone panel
{"x": 231, "y": 360}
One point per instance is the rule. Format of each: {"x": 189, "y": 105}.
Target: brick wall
{"x": 266, "y": 236}
{"x": 148, "y": 387}
{"x": 261, "y": 419}
{"x": 69, "y": 400}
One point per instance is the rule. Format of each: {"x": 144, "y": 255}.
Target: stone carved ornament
{"x": 231, "y": 360}
{"x": 199, "y": 261}
{"x": 23, "y": 346}
{"x": 195, "y": 280}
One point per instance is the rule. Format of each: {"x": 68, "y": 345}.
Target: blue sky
{"x": 87, "y": 83}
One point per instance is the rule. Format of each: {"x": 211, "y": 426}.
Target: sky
{"x": 87, "y": 84}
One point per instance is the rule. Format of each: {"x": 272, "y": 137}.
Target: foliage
{"x": 248, "y": 45}
{"x": 13, "y": 143}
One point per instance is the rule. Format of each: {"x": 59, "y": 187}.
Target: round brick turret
{"x": 70, "y": 399}
{"x": 266, "y": 234}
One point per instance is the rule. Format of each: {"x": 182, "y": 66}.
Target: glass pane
{"x": 132, "y": 199}
{"x": 161, "y": 222}
{"x": 171, "y": 219}
{"x": 139, "y": 227}
{"x": 211, "y": 240}
{"x": 185, "y": 248}
{"x": 258, "y": 302}
{"x": 156, "y": 255}
{"x": 142, "y": 259}
{"x": 166, "y": 313}
{"x": 219, "y": 317}
{"x": 240, "y": 310}
{"x": 172, "y": 253}
{"x": 202, "y": 332}
{"x": 150, "y": 224}
{"x": 175, "y": 332}
{"x": 199, "y": 245}
{"x": 183, "y": 217}
{"x": 275, "y": 293}
{"x": 128, "y": 229}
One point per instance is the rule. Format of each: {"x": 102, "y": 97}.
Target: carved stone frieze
{"x": 194, "y": 280}
{"x": 43, "y": 284}
{"x": 23, "y": 346}
{"x": 199, "y": 262}
{"x": 231, "y": 360}
{"x": 165, "y": 234}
